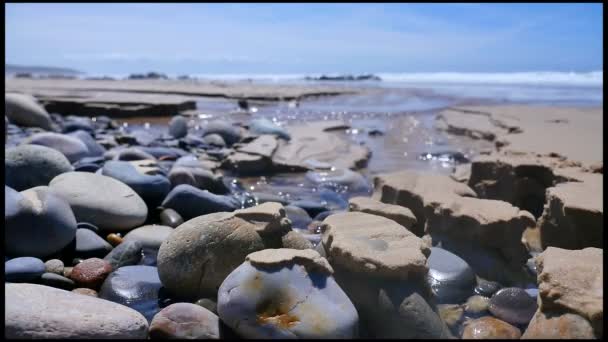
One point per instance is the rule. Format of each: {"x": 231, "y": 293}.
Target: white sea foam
{"x": 593, "y": 78}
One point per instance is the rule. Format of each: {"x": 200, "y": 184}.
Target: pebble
{"x": 37, "y": 222}
{"x": 91, "y": 273}
{"x": 94, "y": 148}
{"x": 170, "y": 218}
{"x": 311, "y": 207}
{"x": 231, "y": 134}
{"x": 23, "y": 269}
{"x": 41, "y": 312}
{"x": 299, "y": 217}
{"x": 451, "y": 314}
{"x": 487, "y": 288}
{"x": 54, "y": 266}
{"x": 214, "y": 140}
{"x": 185, "y": 321}
{"x": 114, "y": 239}
{"x": 476, "y": 305}
{"x": 178, "y": 126}
{"x": 126, "y": 254}
{"x": 191, "y": 202}
{"x": 151, "y": 236}
{"x": 27, "y": 166}
{"x": 86, "y": 225}
{"x": 490, "y": 328}
{"x": 67, "y": 271}
{"x": 134, "y": 286}
{"x": 72, "y": 148}
{"x": 85, "y": 291}
{"x": 24, "y": 110}
{"x": 151, "y": 188}
{"x": 90, "y": 245}
{"x": 58, "y": 281}
{"x": 513, "y": 305}
{"x": 286, "y": 293}
{"x": 208, "y": 304}
{"x": 103, "y": 201}
{"x": 451, "y": 278}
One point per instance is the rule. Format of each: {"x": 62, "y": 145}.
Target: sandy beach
{"x": 465, "y": 195}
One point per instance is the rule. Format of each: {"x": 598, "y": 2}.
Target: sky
{"x": 276, "y": 38}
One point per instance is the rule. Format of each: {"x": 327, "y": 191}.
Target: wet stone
{"x": 134, "y": 286}
{"x": 208, "y": 304}
{"x": 450, "y": 277}
{"x": 126, "y": 254}
{"x": 487, "y": 288}
{"x": 490, "y": 328}
{"x": 513, "y": 305}
{"x": 57, "y": 281}
{"x": 171, "y": 218}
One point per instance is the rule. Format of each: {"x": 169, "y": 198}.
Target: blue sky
{"x": 306, "y": 38}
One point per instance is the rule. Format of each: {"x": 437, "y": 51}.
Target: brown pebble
{"x": 114, "y": 239}
{"x": 91, "y": 273}
{"x": 67, "y": 271}
{"x": 490, "y": 328}
{"x": 86, "y": 292}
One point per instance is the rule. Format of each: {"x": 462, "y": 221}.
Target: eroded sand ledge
{"x": 123, "y": 98}
{"x": 548, "y": 160}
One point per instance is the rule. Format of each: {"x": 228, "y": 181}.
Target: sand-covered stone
{"x": 310, "y": 145}
{"x": 103, "y": 201}
{"x": 264, "y": 146}
{"x": 284, "y": 293}
{"x": 310, "y": 259}
{"x": 37, "y": 311}
{"x": 370, "y": 244}
{"x": 399, "y": 214}
{"x": 558, "y": 326}
{"x": 520, "y": 179}
{"x": 574, "y": 216}
{"x": 197, "y": 256}
{"x": 24, "y": 110}
{"x": 572, "y": 281}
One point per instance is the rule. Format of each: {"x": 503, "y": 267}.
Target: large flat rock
{"x": 417, "y": 190}
{"x": 235, "y": 90}
{"x": 573, "y": 217}
{"x": 575, "y": 133}
{"x": 374, "y": 245}
{"x": 312, "y": 145}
